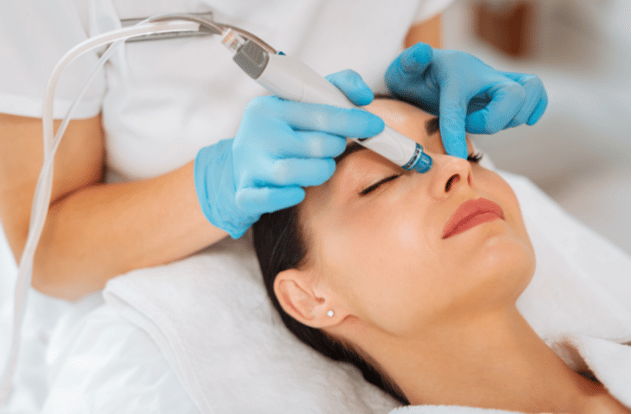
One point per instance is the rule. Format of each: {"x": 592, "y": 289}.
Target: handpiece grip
{"x": 291, "y": 79}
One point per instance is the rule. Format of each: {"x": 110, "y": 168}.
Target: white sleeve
{"x": 112, "y": 366}
{"x": 430, "y": 8}
{"x": 34, "y": 35}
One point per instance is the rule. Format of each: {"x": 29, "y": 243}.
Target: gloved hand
{"x": 470, "y": 95}
{"x": 280, "y": 147}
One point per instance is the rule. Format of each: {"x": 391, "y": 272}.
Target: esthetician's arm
{"x": 428, "y": 32}
{"x": 94, "y": 231}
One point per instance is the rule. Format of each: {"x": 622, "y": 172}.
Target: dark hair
{"x": 280, "y": 244}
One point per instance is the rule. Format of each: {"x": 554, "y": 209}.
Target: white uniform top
{"x": 161, "y": 101}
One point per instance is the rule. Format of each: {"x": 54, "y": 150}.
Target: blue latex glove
{"x": 280, "y": 147}
{"x": 468, "y": 94}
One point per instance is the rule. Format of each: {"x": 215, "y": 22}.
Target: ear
{"x": 295, "y": 291}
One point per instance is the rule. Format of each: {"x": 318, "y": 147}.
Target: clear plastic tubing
{"x": 41, "y": 199}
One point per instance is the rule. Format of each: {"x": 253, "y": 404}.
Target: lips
{"x": 471, "y": 214}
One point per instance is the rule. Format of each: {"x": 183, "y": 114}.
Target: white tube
{"x": 41, "y": 198}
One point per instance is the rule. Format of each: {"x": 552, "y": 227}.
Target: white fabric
{"x": 211, "y": 320}
{"x": 582, "y": 281}
{"x": 162, "y": 101}
{"x": 429, "y": 9}
{"x": 609, "y": 361}
{"x": 108, "y": 365}
{"x": 34, "y": 35}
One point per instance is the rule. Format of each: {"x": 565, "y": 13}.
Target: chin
{"x": 507, "y": 264}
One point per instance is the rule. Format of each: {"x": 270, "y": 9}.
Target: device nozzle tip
{"x": 423, "y": 164}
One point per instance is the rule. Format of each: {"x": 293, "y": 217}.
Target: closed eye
{"x": 375, "y": 186}
{"x": 471, "y": 157}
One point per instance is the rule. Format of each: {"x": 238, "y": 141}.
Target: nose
{"x": 450, "y": 173}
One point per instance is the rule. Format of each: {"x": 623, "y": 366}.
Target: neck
{"x": 495, "y": 361}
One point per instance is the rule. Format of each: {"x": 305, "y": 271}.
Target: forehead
{"x": 403, "y": 117}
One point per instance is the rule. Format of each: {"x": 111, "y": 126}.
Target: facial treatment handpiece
{"x": 291, "y": 79}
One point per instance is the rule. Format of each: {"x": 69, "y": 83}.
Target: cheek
{"x": 405, "y": 235}
{"x": 386, "y": 232}
{"x": 384, "y": 267}
{"x": 510, "y": 253}
{"x": 505, "y": 196}
{"x": 367, "y": 244}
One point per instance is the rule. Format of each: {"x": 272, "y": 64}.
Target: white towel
{"x": 211, "y": 318}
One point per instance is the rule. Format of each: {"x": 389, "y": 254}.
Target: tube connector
{"x": 232, "y": 40}
{"x": 248, "y": 54}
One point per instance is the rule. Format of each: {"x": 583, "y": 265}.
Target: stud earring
{"x": 330, "y": 313}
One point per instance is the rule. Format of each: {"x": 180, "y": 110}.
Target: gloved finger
{"x": 538, "y": 111}
{"x": 351, "y": 84}
{"x": 410, "y": 63}
{"x": 477, "y": 103}
{"x": 351, "y": 123}
{"x": 308, "y": 144}
{"x": 288, "y": 143}
{"x": 525, "y": 112}
{"x": 268, "y": 199}
{"x": 534, "y": 87}
{"x": 452, "y": 114}
{"x": 506, "y": 100}
{"x": 297, "y": 171}
{"x": 532, "y": 83}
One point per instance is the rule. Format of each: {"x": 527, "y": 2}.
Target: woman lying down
{"x": 414, "y": 278}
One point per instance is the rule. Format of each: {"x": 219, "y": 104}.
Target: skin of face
{"x": 380, "y": 259}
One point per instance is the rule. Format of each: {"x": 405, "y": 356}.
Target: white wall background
{"x": 579, "y": 152}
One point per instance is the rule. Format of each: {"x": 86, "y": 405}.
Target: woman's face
{"x": 389, "y": 244}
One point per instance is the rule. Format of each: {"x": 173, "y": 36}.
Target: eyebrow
{"x": 351, "y": 148}
{"x": 431, "y": 126}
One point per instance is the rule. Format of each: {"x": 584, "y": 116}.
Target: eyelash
{"x": 474, "y": 157}
{"x": 379, "y": 183}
